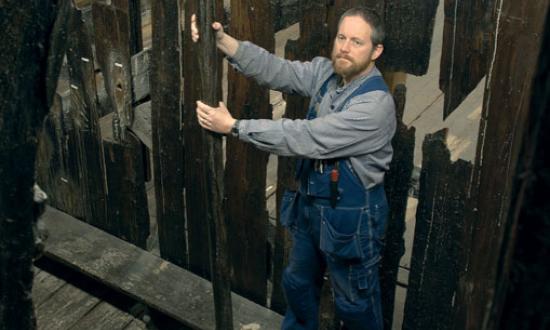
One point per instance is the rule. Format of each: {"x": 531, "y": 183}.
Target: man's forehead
{"x": 354, "y": 26}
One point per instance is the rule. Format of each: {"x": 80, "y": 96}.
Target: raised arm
{"x": 226, "y": 43}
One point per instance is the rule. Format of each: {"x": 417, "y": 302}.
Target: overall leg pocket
{"x": 289, "y": 209}
{"x": 341, "y": 232}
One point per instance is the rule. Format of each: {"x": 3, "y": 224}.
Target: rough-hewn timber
{"x": 246, "y": 166}
{"x": 167, "y": 125}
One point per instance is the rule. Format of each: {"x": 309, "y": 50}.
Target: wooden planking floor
{"x": 61, "y": 306}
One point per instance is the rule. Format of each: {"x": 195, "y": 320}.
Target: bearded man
{"x": 338, "y": 216}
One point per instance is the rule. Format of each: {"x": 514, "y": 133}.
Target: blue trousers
{"x": 347, "y": 240}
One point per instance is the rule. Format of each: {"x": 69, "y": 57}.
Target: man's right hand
{"x": 224, "y": 41}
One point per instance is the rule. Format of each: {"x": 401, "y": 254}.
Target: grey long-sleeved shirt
{"x": 362, "y": 131}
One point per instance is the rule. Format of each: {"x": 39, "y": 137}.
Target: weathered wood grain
{"x": 64, "y": 308}
{"x": 246, "y": 166}
{"x": 131, "y": 270}
{"x": 437, "y": 248}
{"x": 142, "y": 124}
{"x": 195, "y": 158}
{"x": 126, "y": 199}
{"x": 503, "y": 123}
{"x": 397, "y": 185}
{"x": 105, "y": 316}
{"x": 167, "y": 128}
{"x": 44, "y": 286}
{"x": 141, "y": 64}
{"x": 467, "y": 36}
{"x": 85, "y": 118}
{"x": 524, "y": 306}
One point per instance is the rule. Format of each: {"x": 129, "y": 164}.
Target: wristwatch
{"x": 235, "y": 129}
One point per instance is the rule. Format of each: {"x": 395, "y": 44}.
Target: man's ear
{"x": 377, "y": 51}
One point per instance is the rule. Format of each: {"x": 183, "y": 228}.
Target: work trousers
{"x": 347, "y": 240}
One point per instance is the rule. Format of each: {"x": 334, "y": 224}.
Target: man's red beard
{"x": 350, "y": 69}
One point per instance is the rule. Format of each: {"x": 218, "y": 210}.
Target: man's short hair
{"x": 372, "y": 18}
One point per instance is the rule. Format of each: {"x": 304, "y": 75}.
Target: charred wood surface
{"x": 437, "y": 249}
{"x": 167, "y": 126}
{"x": 209, "y": 70}
{"x": 246, "y": 166}
{"x": 467, "y": 36}
{"x": 397, "y": 184}
{"x": 409, "y": 28}
{"x": 525, "y": 301}
{"x": 503, "y": 123}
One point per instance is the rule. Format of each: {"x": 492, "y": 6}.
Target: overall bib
{"x": 336, "y": 223}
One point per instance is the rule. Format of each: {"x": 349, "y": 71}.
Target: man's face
{"x": 353, "y": 53}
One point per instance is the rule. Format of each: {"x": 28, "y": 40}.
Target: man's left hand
{"x": 218, "y": 119}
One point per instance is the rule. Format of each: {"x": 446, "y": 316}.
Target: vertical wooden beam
{"x": 30, "y": 34}
{"x": 409, "y": 28}
{"x": 85, "y": 118}
{"x": 209, "y": 69}
{"x": 193, "y": 137}
{"x": 437, "y": 250}
{"x": 313, "y": 41}
{"x": 467, "y": 36}
{"x": 127, "y": 207}
{"x": 397, "y": 191}
{"x": 504, "y": 117}
{"x": 167, "y": 115}
{"x": 246, "y": 166}
{"x": 523, "y": 306}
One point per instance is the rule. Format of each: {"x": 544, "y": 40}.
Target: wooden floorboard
{"x": 45, "y": 286}
{"x": 64, "y": 308}
{"x": 142, "y": 275}
{"x": 105, "y": 316}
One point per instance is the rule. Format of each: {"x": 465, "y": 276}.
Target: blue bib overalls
{"x": 335, "y": 225}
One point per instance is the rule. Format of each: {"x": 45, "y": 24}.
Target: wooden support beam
{"x": 397, "y": 188}
{"x": 195, "y": 158}
{"x": 130, "y": 270}
{"x": 167, "y": 128}
{"x": 439, "y": 233}
{"x": 467, "y": 37}
{"x": 31, "y": 32}
{"x": 209, "y": 70}
{"x": 246, "y": 166}
{"x": 517, "y": 46}
{"x": 85, "y": 119}
{"x": 523, "y": 304}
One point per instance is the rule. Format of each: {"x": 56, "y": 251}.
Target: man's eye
{"x": 340, "y": 37}
{"x": 357, "y": 43}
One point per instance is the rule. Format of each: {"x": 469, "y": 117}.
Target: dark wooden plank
{"x": 142, "y": 124}
{"x": 57, "y": 160}
{"x": 210, "y": 69}
{"x": 437, "y": 249}
{"x": 246, "y": 166}
{"x": 467, "y": 37}
{"x": 397, "y": 190}
{"x": 136, "y": 325}
{"x": 167, "y": 129}
{"x": 141, "y": 63}
{"x": 312, "y": 42}
{"x": 105, "y": 316}
{"x": 195, "y": 158}
{"x": 63, "y": 309}
{"x": 523, "y": 304}
{"x": 127, "y": 199}
{"x": 85, "y": 117}
{"x": 503, "y": 122}
{"x": 131, "y": 270}
{"x": 25, "y": 95}
{"x": 112, "y": 41}
{"x": 409, "y": 28}
{"x": 44, "y": 286}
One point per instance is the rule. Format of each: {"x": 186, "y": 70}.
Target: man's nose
{"x": 344, "y": 48}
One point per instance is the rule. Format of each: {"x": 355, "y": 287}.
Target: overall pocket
{"x": 289, "y": 209}
{"x": 341, "y": 232}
